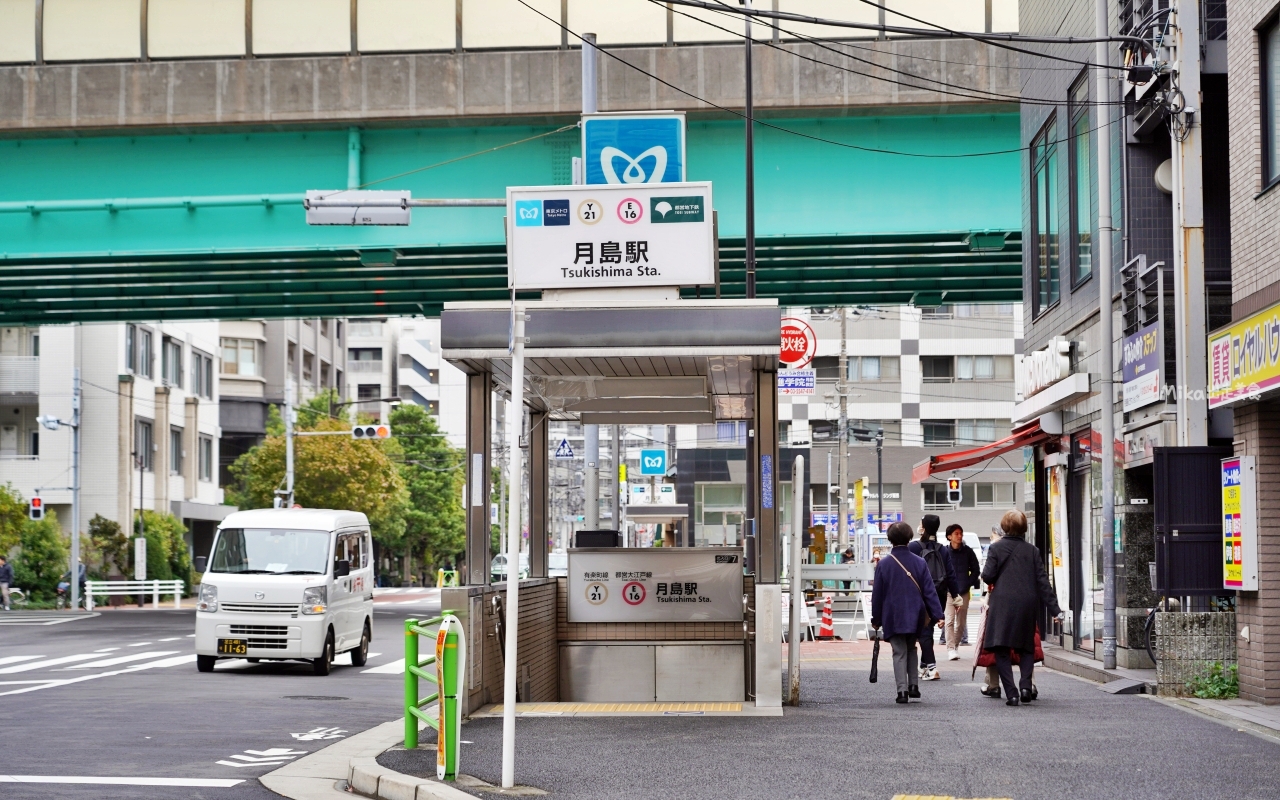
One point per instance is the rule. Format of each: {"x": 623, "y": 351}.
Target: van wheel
{"x": 361, "y": 654}
{"x": 205, "y": 663}
{"x": 324, "y": 664}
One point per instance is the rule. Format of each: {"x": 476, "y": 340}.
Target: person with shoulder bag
{"x": 942, "y": 576}
{"x": 1018, "y": 587}
{"x": 905, "y": 604}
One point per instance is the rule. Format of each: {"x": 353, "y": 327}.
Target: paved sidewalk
{"x": 849, "y": 740}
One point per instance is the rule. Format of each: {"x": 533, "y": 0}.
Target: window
{"x": 988, "y": 310}
{"x": 939, "y": 432}
{"x": 935, "y": 497}
{"x": 171, "y": 363}
{"x": 873, "y": 368}
{"x": 975, "y": 431}
{"x": 1044, "y": 218}
{"x": 176, "y": 452}
{"x": 144, "y": 445}
{"x": 292, "y": 357}
{"x": 366, "y": 327}
{"x": 1081, "y": 184}
{"x": 205, "y": 457}
{"x": 938, "y": 369}
{"x": 35, "y": 344}
{"x": 146, "y": 357}
{"x": 732, "y": 432}
{"x": 352, "y": 548}
{"x": 201, "y": 374}
{"x": 975, "y": 368}
{"x": 337, "y": 337}
{"x": 1269, "y": 41}
{"x": 364, "y": 354}
{"x": 241, "y": 357}
{"x": 324, "y": 374}
{"x": 368, "y": 391}
{"x": 308, "y": 366}
{"x": 130, "y": 342}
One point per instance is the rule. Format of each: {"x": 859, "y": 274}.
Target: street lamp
{"x": 53, "y": 423}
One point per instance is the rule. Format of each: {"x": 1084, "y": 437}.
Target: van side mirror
{"x": 341, "y": 568}
{"x": 201, "y": 563}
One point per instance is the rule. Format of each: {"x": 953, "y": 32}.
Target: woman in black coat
{"x": 1018, "y": 586}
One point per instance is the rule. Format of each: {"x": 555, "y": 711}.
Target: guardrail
{"x": 134, "y": 588}
{"x": 450, "y": 653}
{"x": 446, "y": 577}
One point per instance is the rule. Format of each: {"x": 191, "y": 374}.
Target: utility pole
{"x": 285, "y": 499}
{"x": 75, "y": 488}
{"x": 749, "y": 261}
{"x": 1107, "y": 349}
{"x": 842, "y": 388}
{"x": 1188, "y": 231}
{"x": 880, "y": 480}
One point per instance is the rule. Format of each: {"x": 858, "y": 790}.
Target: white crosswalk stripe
{"x": 111, "y": 662}
{"x": 53, "y": 662}
{"x": 16, "y": 659}
{"x": 393, "y": 668}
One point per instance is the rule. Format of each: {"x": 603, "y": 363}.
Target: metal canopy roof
{"x": 872, "y": 269}
{"x": 624, "y": 362}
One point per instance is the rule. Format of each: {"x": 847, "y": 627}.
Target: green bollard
{"x": 410, "y": 684}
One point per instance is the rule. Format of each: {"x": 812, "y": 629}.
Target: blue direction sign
{"x": 634, "y": 148}
{"x": 564, "y": 450}
{"x": 653, "y": 462}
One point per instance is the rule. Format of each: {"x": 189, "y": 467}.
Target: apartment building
{"x": 258, "y": 357}
{"x": 149, "y": 420}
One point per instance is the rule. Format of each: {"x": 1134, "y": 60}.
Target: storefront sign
{"x": 1044, "y": 368}
{"x": 799, "y": 343}
{"x": 1244, "y": 358}
{"x": 1239, "y": 524}
{"x": 1140, "y": 445}
{"x": 1141, "y": 367}
{"x": 687, "y": 584}
{"x": 828, "y": 521}
{"x": 859, "y": 499}
{"x": 797, "y": 381}
{"x": 586, "y": 237}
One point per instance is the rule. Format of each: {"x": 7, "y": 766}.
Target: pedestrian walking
{"x": 6, "y": 580}
{"x": 991, "y": 679}
{"x": 1018, "y": 586}
{"x": 905, "y": 604}
{"x": 969, "y": 574}
{"x": 942, "y": 575}
{"x": 847, "y": 557}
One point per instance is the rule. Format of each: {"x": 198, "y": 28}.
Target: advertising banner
{"x": 702, "y": 584}
{"x": 1239, "y": 524}
{"x": 797, "y": 382}
{"x": 1140, "y": 364}
{"x": 579, "y": 237}
{"x": 1244, "y": 358}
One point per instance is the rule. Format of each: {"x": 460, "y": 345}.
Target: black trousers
{"x": 1004, "y": 665}
{"x": 927, "y": 658}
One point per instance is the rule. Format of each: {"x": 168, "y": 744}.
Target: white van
{"x": 286, "y": 584}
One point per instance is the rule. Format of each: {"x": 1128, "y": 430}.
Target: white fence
{"x": 106, "y": 30}
{"x": 135, "y": 589}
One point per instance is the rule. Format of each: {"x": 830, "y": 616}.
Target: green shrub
{"x": 167, "y": 556}
{"x": 42, "y": 558}
{"x": 108, "y": 549}
{"x": 1218, "y": 684}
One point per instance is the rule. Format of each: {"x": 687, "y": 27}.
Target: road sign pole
{"x": 513, "y": 549}
{"x": 591, "y": 479}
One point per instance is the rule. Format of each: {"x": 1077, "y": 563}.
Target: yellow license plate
{"x": 232, "y": 647}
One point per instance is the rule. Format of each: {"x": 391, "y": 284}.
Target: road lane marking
{"x": 111, "y": 662}
{"x": 209, "y": 783}
{"x": 53, "y": 662}
{"x": 16, "y": 659}
{"x": 140, "y": 644}
{"x": 170, "y": 639}
{"x": 393, "y": 668}
{"x": 162, "y": 663}
{"x": 106, "y": 650}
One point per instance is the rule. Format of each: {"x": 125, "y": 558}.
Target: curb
{"x": 353, "y": 761}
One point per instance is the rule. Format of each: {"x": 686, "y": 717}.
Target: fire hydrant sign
{"x": 679, "y": 584}
{"x": 603, "y": 236}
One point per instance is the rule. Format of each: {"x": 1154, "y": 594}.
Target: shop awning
{"x": 1038, "y": 430}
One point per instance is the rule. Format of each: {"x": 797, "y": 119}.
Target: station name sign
{"x": 702, "y": 584}
{"x": 609, "y": 236}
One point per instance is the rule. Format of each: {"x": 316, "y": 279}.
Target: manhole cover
{"x": 313, "y": 697}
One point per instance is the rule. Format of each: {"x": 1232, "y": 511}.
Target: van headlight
{"x": 208, "y": 598}
{"x": 314, "y": 600}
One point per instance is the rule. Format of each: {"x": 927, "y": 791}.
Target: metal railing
{"x": 20, "y": 374}
{"x": 450, "y": 654}
{"x": 137, "y": 589}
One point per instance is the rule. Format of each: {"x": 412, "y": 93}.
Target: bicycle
{"x": 17, "y": 598}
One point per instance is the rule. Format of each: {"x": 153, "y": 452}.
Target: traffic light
{"x": 35, "y": 508}
{"x": 953, "y": 491}
{"x": 371, "y": 432}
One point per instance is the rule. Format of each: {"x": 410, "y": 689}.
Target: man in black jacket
{"x": 6, "y": 580}
{"x": 969, "y": 574}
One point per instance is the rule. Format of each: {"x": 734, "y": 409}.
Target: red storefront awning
{"x": 1028, "y": 435}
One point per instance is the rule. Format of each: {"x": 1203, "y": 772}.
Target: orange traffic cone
{"x": 827, "y": 630}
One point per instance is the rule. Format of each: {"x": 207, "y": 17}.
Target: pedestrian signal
{"x": 953, "y": 491}
{"x": 371, "y": 432}
{"x": 35, "y": 508}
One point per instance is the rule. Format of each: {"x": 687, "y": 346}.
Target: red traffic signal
{"x": 371, "y": 432}
{"x": 35, "y": 508}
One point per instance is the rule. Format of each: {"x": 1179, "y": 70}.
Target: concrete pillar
{"x": 124, "y": 453}
{"x": 479, "y": 434}
{"x": 191, "y": 443}
{"x": 162, "y": 455}
{"x": 764, "y": 476}
{"x": 1257, "y": 434}
{"x": 539, "y": 488}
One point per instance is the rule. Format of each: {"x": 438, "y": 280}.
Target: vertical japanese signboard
{"x": 571, "y": 237}
{"x": 1141, "y": 367}
{"x": 1239, "y": 524}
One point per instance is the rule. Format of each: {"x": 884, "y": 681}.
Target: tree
{"x": 167, "y": 556}
{"x": 43, "y": 557}
{"x": 435, "y": 526}
{"x": 13, "y": 516}
{"x": 108, "y": 548}
{"x": 329, "y": 472}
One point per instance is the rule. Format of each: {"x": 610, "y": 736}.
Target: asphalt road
{"x": 118, "y": 696}
{"x": 848, "y": 740}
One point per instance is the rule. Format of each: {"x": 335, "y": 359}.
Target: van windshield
{"x": 271, "y": 552}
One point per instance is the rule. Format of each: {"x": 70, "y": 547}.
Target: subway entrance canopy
{"x": 211, "y": 225}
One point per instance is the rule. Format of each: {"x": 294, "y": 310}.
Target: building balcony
{"x": 364, "y": 367}
{"x": 19, "y": 375}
